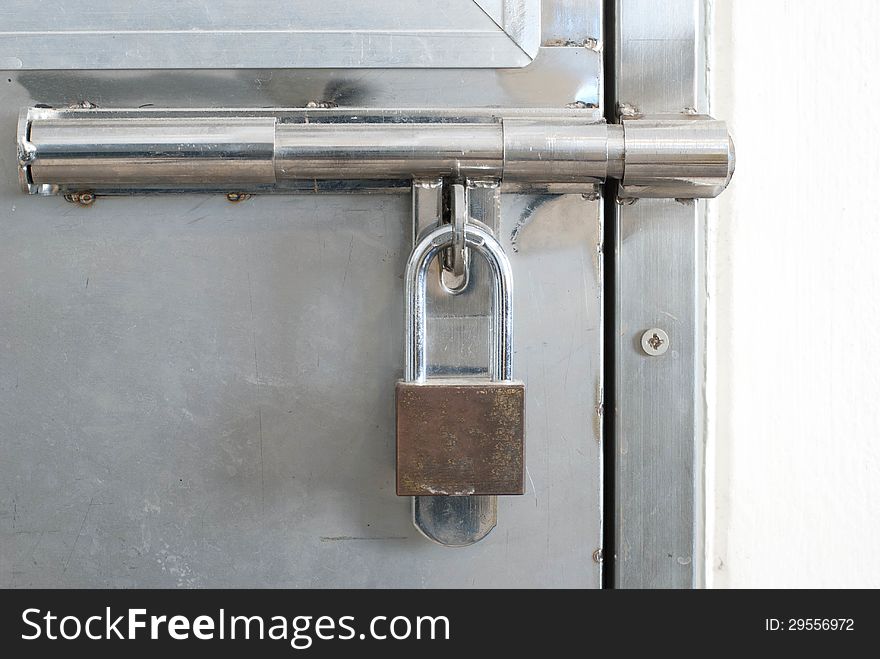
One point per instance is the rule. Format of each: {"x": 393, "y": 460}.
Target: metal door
{"x": 199, "y": 392}
{"x": 202, "y": 311}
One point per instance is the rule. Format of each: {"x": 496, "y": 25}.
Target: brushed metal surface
{"x": 173, "y": 409}
{"x": 660, "y": 284}
{"x": 171, "y": 366}
{"x": 128, "y": 34}
{"x": 558, "y": 77}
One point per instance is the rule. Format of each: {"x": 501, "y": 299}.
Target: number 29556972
{"x": 809, "y": 624}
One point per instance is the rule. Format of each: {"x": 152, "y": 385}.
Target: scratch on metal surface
{"x": 253, "y": 326}
{"x": 34, "y": 548}
{"x": 198, "y": 205}
{"x": 348, "y": 263}
{"x": 346, "y": 538}
{"x": 526, "y": 217}
{"x": 262, "y": 464}
{"x": 532, "y": 483}
{"x": 78, "y": 535}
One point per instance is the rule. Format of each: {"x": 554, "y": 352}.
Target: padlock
{"x": 463, "y": 436}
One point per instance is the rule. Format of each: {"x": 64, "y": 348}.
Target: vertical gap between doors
{"x": 609, "y": 253}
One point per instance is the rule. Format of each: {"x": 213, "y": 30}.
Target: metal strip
{"x": 175, "y": 34}
{"x": 659, "y": 284}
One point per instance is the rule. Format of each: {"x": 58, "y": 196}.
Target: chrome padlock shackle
{"x": 416, "y": 284}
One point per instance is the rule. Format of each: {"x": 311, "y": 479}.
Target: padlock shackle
{"x": 416, "y": 284}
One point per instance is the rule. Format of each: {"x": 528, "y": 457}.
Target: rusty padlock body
{"x": 464, "y": 436}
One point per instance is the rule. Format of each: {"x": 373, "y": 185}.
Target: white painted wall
{"x": 793, "y": 464}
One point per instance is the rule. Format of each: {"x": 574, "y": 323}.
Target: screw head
{"x": 655, "y": 342}
{"x": 81, "y": 198}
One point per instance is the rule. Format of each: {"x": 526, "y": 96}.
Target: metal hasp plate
{"x": 458, "y": 438}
